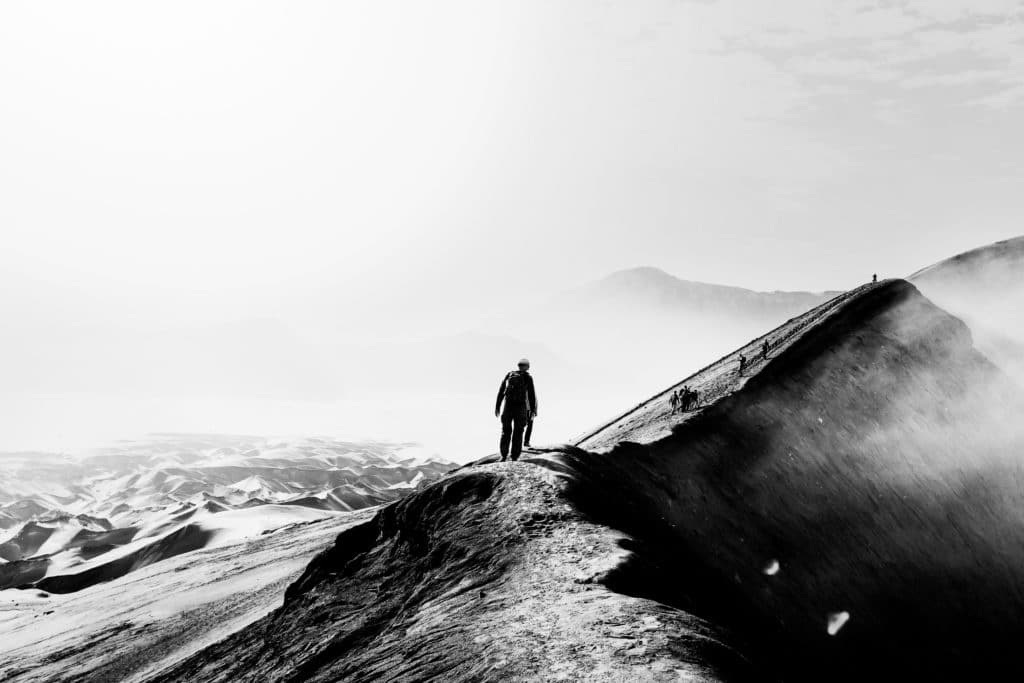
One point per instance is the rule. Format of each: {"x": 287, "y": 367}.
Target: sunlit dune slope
{"x": 130, "y": 627}
{"x": 653, "y": 418}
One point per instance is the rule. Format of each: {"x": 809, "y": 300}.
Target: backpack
{"x": 516, "y": 390}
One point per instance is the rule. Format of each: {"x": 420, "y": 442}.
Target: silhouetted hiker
{"x": 764, "y": 349}
{"x": 743, "y": 363}
{"x": 874, "y": 278}
{"x": 520, "y": 399}
{"x": 684, "y": 398}
{"x": 674, "y": 401}
{"x": 694, "y": 398}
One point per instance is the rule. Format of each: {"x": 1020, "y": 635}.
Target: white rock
{"x": 836, "y": 620}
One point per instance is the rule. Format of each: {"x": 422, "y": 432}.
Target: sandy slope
{"x": 850, "y": 510}
{"x": 151, "y": 618}
{"x": 654, "y": 419}
{"x": 487, "y": 574}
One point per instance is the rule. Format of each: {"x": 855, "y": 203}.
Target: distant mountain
{"x": 145, "y": 500}
{"x": 984, "y": 287}
{"x": 632, "y": 326}
{"x": 651, "y": 289}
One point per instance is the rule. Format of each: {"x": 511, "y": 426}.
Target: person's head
{"x": 524, "y": 364}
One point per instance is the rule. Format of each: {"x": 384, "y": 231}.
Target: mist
{"x": 985, "y": 288}
{"x": 236, "y": 217}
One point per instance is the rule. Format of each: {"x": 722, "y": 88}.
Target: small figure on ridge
{"x": 520, "y": 398}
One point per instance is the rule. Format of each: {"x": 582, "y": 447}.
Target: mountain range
{"x": 72, "y": 521}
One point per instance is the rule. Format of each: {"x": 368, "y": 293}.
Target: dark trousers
{"x": 513, "y": 422}
{"x": 529, "y": 431}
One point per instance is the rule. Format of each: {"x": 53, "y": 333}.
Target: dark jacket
{"x": 531, "y": 394}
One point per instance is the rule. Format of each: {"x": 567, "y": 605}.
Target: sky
{"x": 410, "y": 167}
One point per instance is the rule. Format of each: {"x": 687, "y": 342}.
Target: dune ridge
{"x": 798, "y": 526}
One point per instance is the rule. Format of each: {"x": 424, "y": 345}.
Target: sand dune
{"x": 203, "y": 530}
{"x": 847, "y": 509}
{"x": 124, "y": 630}
{"x": 126, "y": 507}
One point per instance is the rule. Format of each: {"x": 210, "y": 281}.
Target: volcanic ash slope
{"x": 849, "y": 509}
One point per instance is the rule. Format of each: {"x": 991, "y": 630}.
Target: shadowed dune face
{"x": 866, "y": 482}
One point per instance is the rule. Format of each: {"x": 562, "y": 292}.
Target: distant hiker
{"x": 686, "y": 398}
{"x": 694, "y": 398}
{"x": 764, "y": 349}
{"x": 674, "y": 401}
{"x": 520, "y": 399}
{"x": 874, "y": 278}
{"x": 743, "y": 363}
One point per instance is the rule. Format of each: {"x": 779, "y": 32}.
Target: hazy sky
{"x": 200, "y": 159}
{"x": 186, "y": 163}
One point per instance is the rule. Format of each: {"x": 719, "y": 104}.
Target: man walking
{"x": 520, "y": 400}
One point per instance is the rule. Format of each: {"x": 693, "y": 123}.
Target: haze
{"x": 288, "y": 184}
